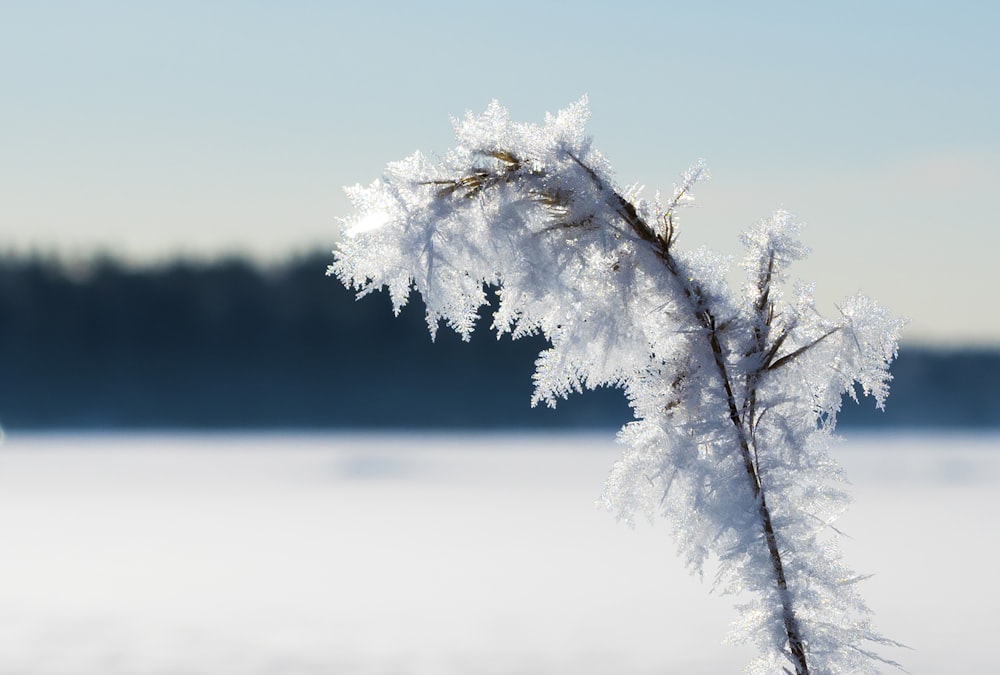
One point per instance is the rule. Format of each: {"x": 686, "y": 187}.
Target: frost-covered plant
{"x": 735, "y": 394}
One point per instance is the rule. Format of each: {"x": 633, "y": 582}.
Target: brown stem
{"x": 661, "y": 244}
{"x": 704, "y": 316}
{"x": 795, "y": 644}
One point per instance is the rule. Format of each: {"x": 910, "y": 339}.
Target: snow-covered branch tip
{"x": 735, "y": 393}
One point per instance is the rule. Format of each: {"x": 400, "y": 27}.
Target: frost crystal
{"x": 735, "y": 395}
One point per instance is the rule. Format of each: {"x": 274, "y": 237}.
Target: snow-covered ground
{"x": 406, "y": 555}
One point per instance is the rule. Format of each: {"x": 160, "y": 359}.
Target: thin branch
{"x": 801, "y": 350}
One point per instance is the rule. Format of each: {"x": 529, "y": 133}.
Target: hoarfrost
{"x": 735, "y": 395}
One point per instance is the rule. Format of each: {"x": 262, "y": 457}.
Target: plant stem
{"x": 661, "y": 244}
{"x": 792, "y": 631}
{"x": 704, "y": 316}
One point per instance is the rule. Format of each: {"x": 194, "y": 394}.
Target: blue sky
{"x": 203, "y": 128}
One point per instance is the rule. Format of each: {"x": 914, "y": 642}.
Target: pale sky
{"x": 205, "y": 128}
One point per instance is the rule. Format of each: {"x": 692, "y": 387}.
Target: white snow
{"x": 435, "y": 555}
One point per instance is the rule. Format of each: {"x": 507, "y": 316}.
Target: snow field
{"x": 379, "y": 554}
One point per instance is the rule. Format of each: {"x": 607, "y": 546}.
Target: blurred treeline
{"x": 230, "y": 345}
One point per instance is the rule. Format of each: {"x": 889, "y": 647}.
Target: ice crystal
{"x": 735, "y": 394}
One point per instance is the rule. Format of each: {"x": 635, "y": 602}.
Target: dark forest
{"x": 229, "y": 345}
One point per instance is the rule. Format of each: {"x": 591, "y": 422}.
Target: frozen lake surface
{"x": 437, "y": 555}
